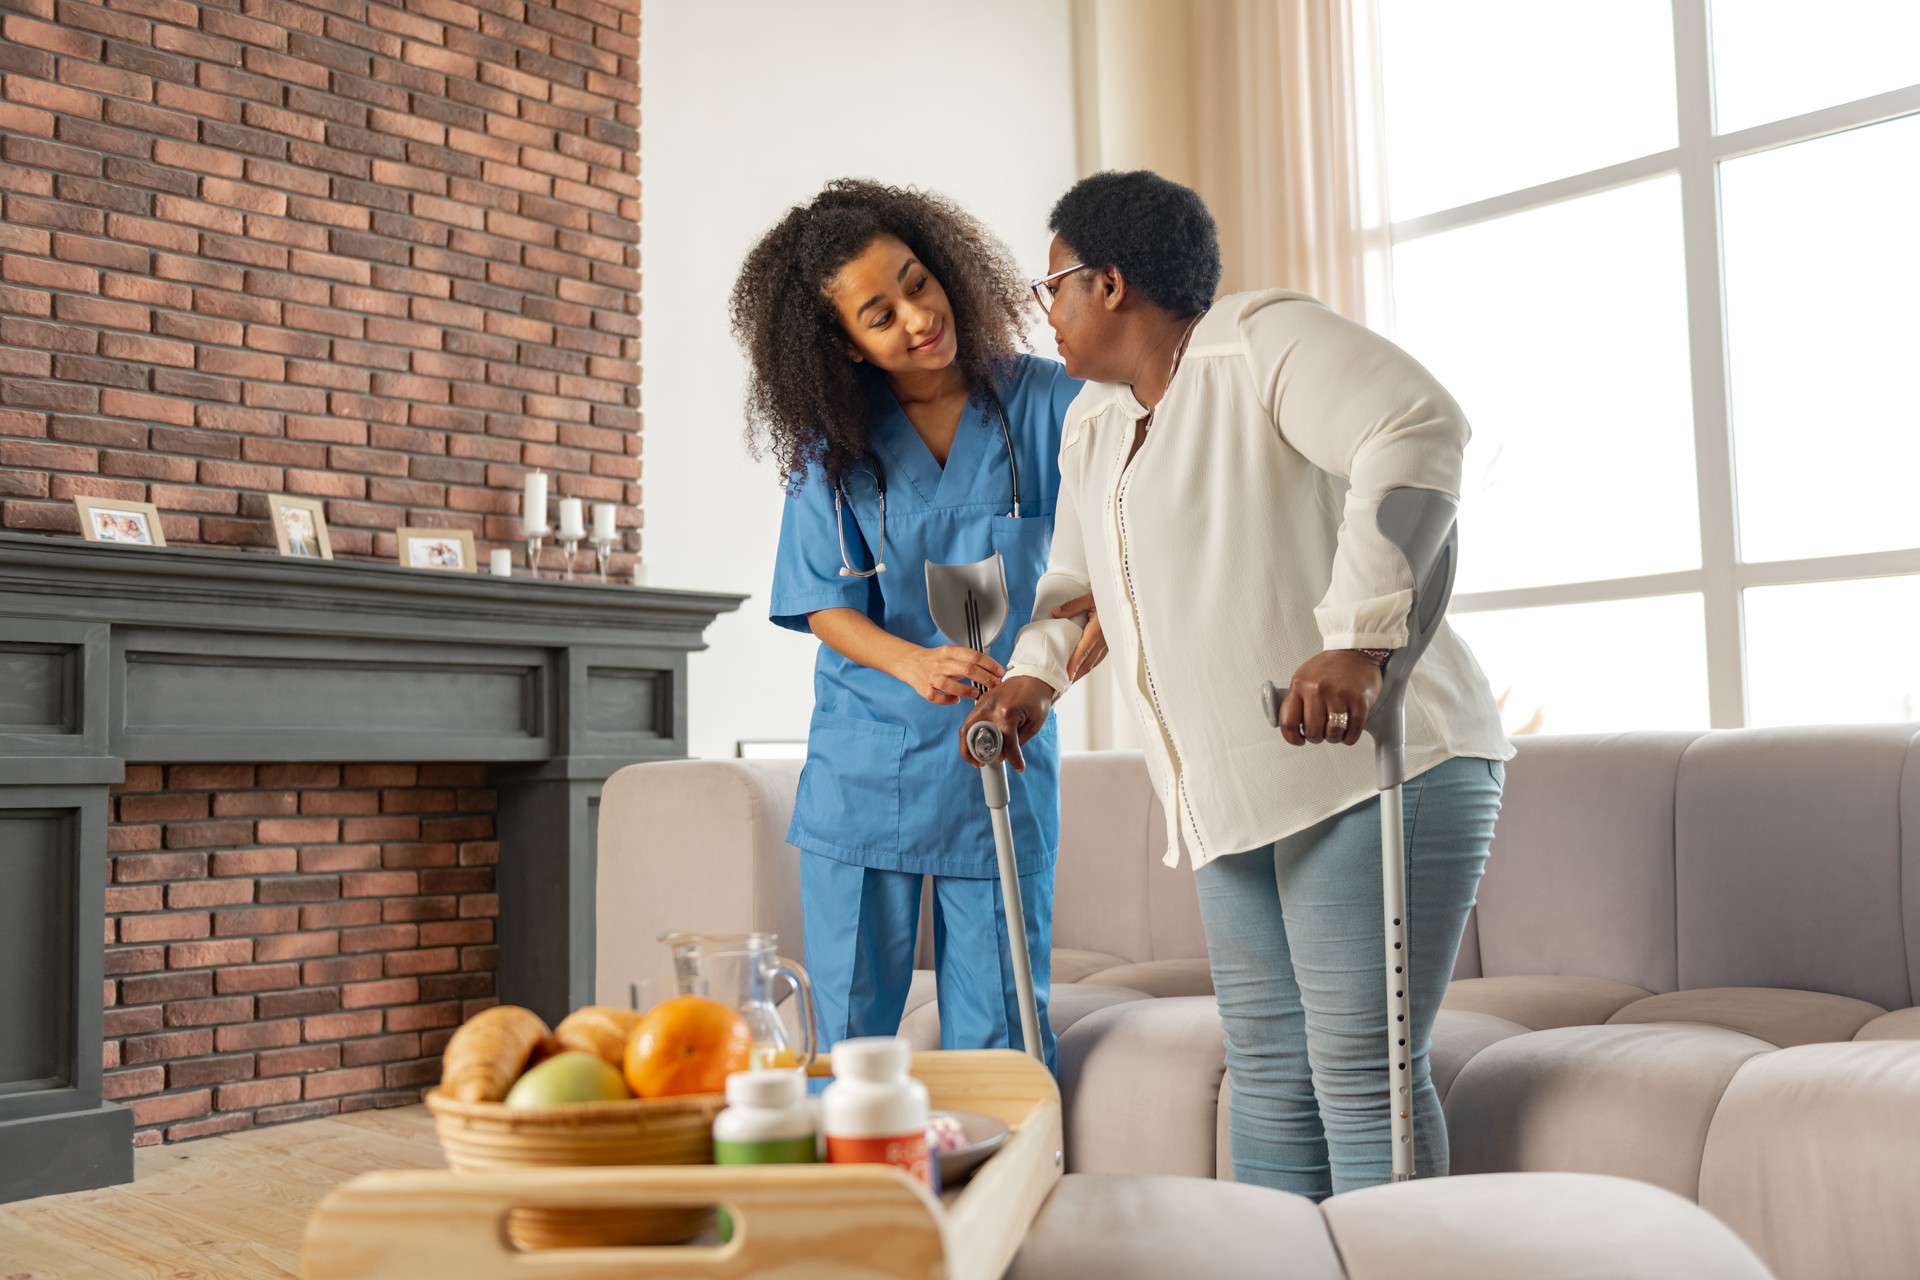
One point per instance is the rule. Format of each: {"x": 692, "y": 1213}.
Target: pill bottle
{"x": 874, "y": 1112}
{"x": 769, "y": 1120}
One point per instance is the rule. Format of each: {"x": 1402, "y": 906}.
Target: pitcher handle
{"x": 803, "y": 987}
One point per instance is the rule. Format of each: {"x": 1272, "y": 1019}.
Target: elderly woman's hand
{"x": 1019, "y": 708}
{"x": 1092, "y": 649}
{"x": 1337, "y": 682}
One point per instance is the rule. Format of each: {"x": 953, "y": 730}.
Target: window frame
{"x": 1723, "y": 576}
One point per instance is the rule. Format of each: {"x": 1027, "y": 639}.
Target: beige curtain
{"x": 1268, "y": 108}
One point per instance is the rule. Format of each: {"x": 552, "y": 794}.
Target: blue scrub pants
{"x": 862, "y": 925}
{"x": 1294, "y": 936}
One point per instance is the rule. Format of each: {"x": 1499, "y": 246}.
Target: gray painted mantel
{"x": 111, "y": 655}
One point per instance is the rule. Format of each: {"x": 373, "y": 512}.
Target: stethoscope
{"x": 880, "y": 488}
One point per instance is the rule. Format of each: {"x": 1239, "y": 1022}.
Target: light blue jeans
{"x": 1295, "y": 938}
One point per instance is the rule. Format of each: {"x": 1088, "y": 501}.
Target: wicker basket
{"x": 489, "y": 1136}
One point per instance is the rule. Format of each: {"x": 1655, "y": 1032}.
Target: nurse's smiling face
{"x": 894, "y": 313}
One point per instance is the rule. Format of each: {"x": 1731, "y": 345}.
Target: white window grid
{"x": 1723, "y": 576}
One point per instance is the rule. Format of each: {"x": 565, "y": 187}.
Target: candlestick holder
{"x": 534, "y": 540}
{"x": 569, "y": 546}
{"x": 603, "y": 553}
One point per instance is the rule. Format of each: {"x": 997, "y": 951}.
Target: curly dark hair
{"x": 1157, "y": 232}
{"x": 806, "y": 402}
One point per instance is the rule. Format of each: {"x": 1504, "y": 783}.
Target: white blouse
{"x": 1240, "y": 542}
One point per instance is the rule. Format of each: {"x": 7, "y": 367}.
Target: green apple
{"x": 568, "y": 1077}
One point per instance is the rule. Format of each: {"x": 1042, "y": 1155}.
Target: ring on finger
{"x": 1337, "y": 722}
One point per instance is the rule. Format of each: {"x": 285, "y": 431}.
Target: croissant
{"x": 488, "y": 1053}
{"x": 599, "y": 1030}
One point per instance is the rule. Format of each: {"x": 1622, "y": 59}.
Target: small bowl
{"x": 985, "y": 1135}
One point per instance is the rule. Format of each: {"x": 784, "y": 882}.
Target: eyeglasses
{"x": 1043, "y": 288}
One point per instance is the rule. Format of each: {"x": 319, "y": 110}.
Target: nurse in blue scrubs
{"x": 881, "y": 327}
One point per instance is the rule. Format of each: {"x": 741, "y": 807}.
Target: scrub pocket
{"x": 849, "y": 793}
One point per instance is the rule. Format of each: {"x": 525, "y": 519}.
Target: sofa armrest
{"x": 697, "y": 845}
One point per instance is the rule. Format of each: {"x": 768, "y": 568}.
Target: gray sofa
{"x": 1693, "y": 964}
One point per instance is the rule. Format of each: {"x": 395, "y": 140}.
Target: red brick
{"x": 419, "y": 855}
{"x": 417, "y": 909}
{"x": 207, "y": 1013}
{"x": 254, "y": 978}
{"x": 161, "y": 808}
{"x": 201, "y": 955}
{"x": 253, "y": 862}
{"x": 116, "y": 1085}
{"x": 204, "y": 1071}
{"x": 331, "y": 915}
{"x": 396, "y": 1048}
{"x": 257, "y": 1093}
{"x": 358, "y": 968}
{"x": 122, "y": 960}
{"x": 355, "y": 830}
{"x": 340, "y": 857}
{"x": 480, "y": 904}
{"x": 296, "y": 1111}
{"x": 417, "y": 800}
{"x": 139, "y": 777}
{"x": 465, "y": 880}
{"x": 296, "y": 946}
{"x": 131, "y": 1022}
{"x": 379, "y": 884}
{"x": 210, "y": 777}
{"x": 290, "y": 889}
{"x": 435, "y": 960}
{"x": 210, "y": 893}
{"x": 340, "y": 803}
{"x": 299, "y": 830}
{"x": 132, "y": 404}
{"x": 390, "y": 991}
{"x": 208, "y": 1127}
{"x": 299, "y": 775}
{"x": 160, "y": 868}
{"x": 148, "y": 466}
{"x": 298, "y": 1004}
{"x": 166, "y": 1046}
{"x": 165, "y": 928}
{"x": 301, "y": 1060}
{"x": 209, "y": 835}
{"x": 415, "y": 1074}
{"x": 151, "y": 897}
{"x": 419, "y": 1017}
{"x": 331, "y": 1084}
{"x": 342, "y": 1026}
{"x": 256, "y": 920}
{"x": 454, "y": 932}
{"x": 259, "y": 1035}
{"x": 384, "y": 937}
{"x": 170, "y": 1106}
{"x": 132, "y": 839}
{"x": 158, "y": 987}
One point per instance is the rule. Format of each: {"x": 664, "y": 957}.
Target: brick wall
{"x": 383, "y": 254}
{"x": 286, "y": 941}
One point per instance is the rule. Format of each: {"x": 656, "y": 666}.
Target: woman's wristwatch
{"x": 1376, "y": 656}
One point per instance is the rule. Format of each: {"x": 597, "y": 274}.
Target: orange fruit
{"x": 689, "y": 1044}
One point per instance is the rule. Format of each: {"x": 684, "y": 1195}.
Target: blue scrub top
{"x": 884, "y": 785}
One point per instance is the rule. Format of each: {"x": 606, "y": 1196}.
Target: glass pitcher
{"x": 739, "y": 969}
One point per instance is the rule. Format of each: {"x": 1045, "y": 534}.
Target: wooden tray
{"x": 847, "y": 1222}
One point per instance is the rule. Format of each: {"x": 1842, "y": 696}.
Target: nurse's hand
{"x": 1092, "y": 649}
{"x": 941, "y": 675}
{"x": 1338, "y": 680}
{"x": 1019, "y": 708}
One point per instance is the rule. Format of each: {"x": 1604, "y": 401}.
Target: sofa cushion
{"x": 1459, "y": 1034}
{"x": 1140, "y": 1084}
{"x": 1071, "y": 964}
{"x": 1773, "y": 1014}
{"x": 1788, "y": 861}
{"x": 1812, "y": 1156}
{"x": 1635, "y": 1101}
{"x": 1521, "y": 1226}
{"x": 1580, "y": 877}
{"x": 1160, "y": 977}
{"x": 1541, "y": 1003}
{"x": 1066, "y": 1004}
{"x": 1901, "y": 1024}
{"x": 1150, "y": 1226}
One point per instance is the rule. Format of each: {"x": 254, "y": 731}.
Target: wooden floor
{"x": 225, "y": 1208}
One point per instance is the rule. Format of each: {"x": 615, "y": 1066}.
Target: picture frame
{"x": 126, "y": 524}
{"x": 441, "y": 550}
{"x": 300, "y": 527}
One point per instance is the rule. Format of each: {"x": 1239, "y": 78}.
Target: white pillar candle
{"x": 573, "y": 525}
{"x": 603, "y": 518}
{"x": 500, "y": 563}
{"x": 639, "y": 575}
{"x": 533, "y": 504}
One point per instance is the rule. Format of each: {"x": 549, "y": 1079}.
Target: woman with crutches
{"x": 1222, "y": 476}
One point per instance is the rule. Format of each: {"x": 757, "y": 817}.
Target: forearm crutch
{"x": 1422, "y": 525}
{"x": 969, "y": 604}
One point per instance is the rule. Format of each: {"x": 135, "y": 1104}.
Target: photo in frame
{"x": 135, "y": 524}
{"x": 447, "y": 550}
{"x": 300, "y": 527}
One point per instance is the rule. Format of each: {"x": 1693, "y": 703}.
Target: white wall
{"x": 747, "y": 107}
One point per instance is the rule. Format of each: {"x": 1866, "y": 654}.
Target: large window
{"x": 1666, "y": 254}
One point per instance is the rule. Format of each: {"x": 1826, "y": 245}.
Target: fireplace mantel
{"x": 111, "y": 655}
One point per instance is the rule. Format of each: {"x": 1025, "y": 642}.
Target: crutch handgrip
{"x": 985, "y": 742}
